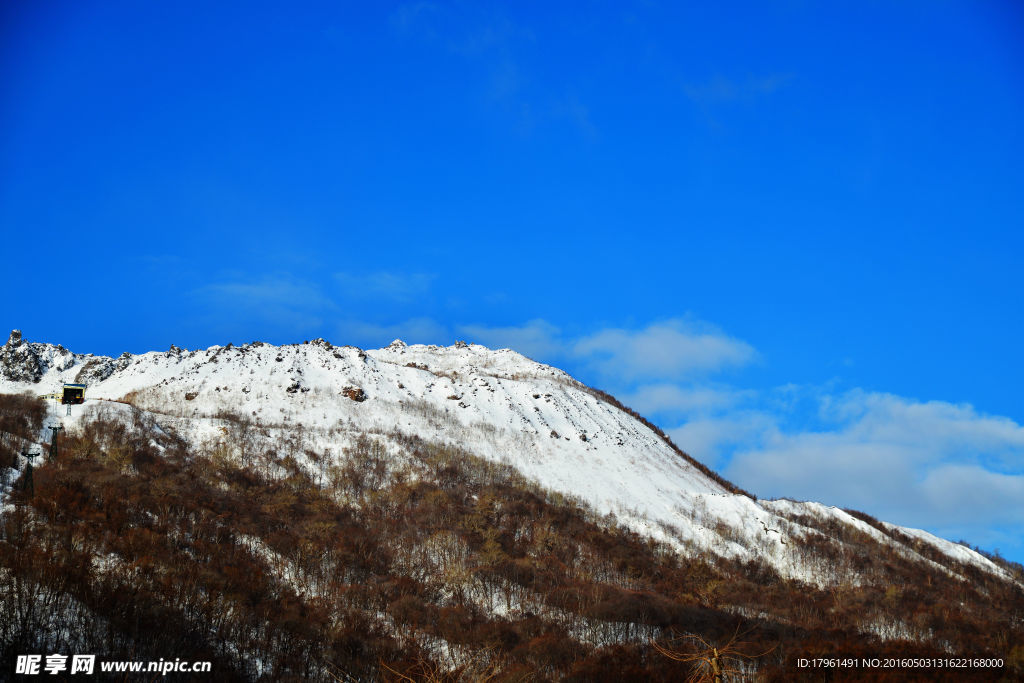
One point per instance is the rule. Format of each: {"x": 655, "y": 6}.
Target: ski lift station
{"x": 73, "y": 393}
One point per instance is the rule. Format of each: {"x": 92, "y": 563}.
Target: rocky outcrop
{"x": 22, "y": 361}
{"x": 19, "y": 361}
{"x": 96, "y": 369}
{"x": 355, "y": 393}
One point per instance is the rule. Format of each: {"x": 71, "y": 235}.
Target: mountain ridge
{"x": 424, "y": 513}
{"x": 496, "y": 403}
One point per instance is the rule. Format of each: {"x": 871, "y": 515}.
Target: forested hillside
{"x": 398, "y": 557}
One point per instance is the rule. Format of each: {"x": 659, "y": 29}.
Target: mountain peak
{"x": 496, "y": 404}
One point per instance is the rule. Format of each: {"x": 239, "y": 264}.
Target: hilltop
{"x": 487, "y": 428}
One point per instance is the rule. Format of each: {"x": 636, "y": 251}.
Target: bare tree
{"x": 483, "y": 667}
{"x": 712, "y": 662}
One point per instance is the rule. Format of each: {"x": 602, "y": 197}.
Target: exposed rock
{"x": 21, "y": 362}
{"x": 354, "y": 393}
{"x": 95, "y": 370}
{"x": 123, "y": 361}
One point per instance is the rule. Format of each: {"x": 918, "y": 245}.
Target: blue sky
{"x": 789, "y": 232}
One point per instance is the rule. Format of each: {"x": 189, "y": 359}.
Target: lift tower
{"x": 53, "y": 442}
{"x": 27, "y": 483}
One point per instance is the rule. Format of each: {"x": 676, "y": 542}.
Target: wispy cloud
{"x": 537, "y": 339}
{"x": 720, "y": 89}
{"x": 273, "y": 290}
{"x": 415, "y": 17}
{"x": 390, "y": 285}
{"x": 573, "y": 110}
{"x": 281, "y": 305}
{"x": 498, "y": 54}
{"x": 939, "y": 427}
{"x": 711, "y": 438}
{"x": 674, "y": 349}
{"x": 665, "y": 351}
{"x": 994, "y": 495}
{"x": 472, "y": 31}
{"x": 278, "y": 301}
{"x": 420, "y": 330}
{"x": 918, "y": 463}
{"x": 686, "y": 399}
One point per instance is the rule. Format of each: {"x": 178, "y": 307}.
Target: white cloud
{"x": 939, "y": 426}
{"x": 275, "y": 290}
{"x": 279, "y": 300}
{"x": 927, "y": 464}
{"x": 403, "y": 287}
{"x": 284, "y": 305}
{"x": 664, "y": 397}
{"x": 373, "y": 335}
{"x": 671, "y": 350}
{"x": 537, "y": 339}
{"x": 977, "y": 492}
{"x": 709, "y": 439}
{"x": 827, "y": 468}
{"x": 674, "y": 349}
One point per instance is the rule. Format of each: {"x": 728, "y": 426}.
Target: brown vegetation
{"x": 421, "y": 563}
{"x": 21, "y": 419}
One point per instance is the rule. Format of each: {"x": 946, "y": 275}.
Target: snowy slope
{"x": 496, "y": 404}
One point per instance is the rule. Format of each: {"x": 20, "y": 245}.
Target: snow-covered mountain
{"x": 496, "y": 404}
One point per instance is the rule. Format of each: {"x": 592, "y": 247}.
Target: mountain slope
{"x": 491, "y": 488}
{"x": 498, "y": 405}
